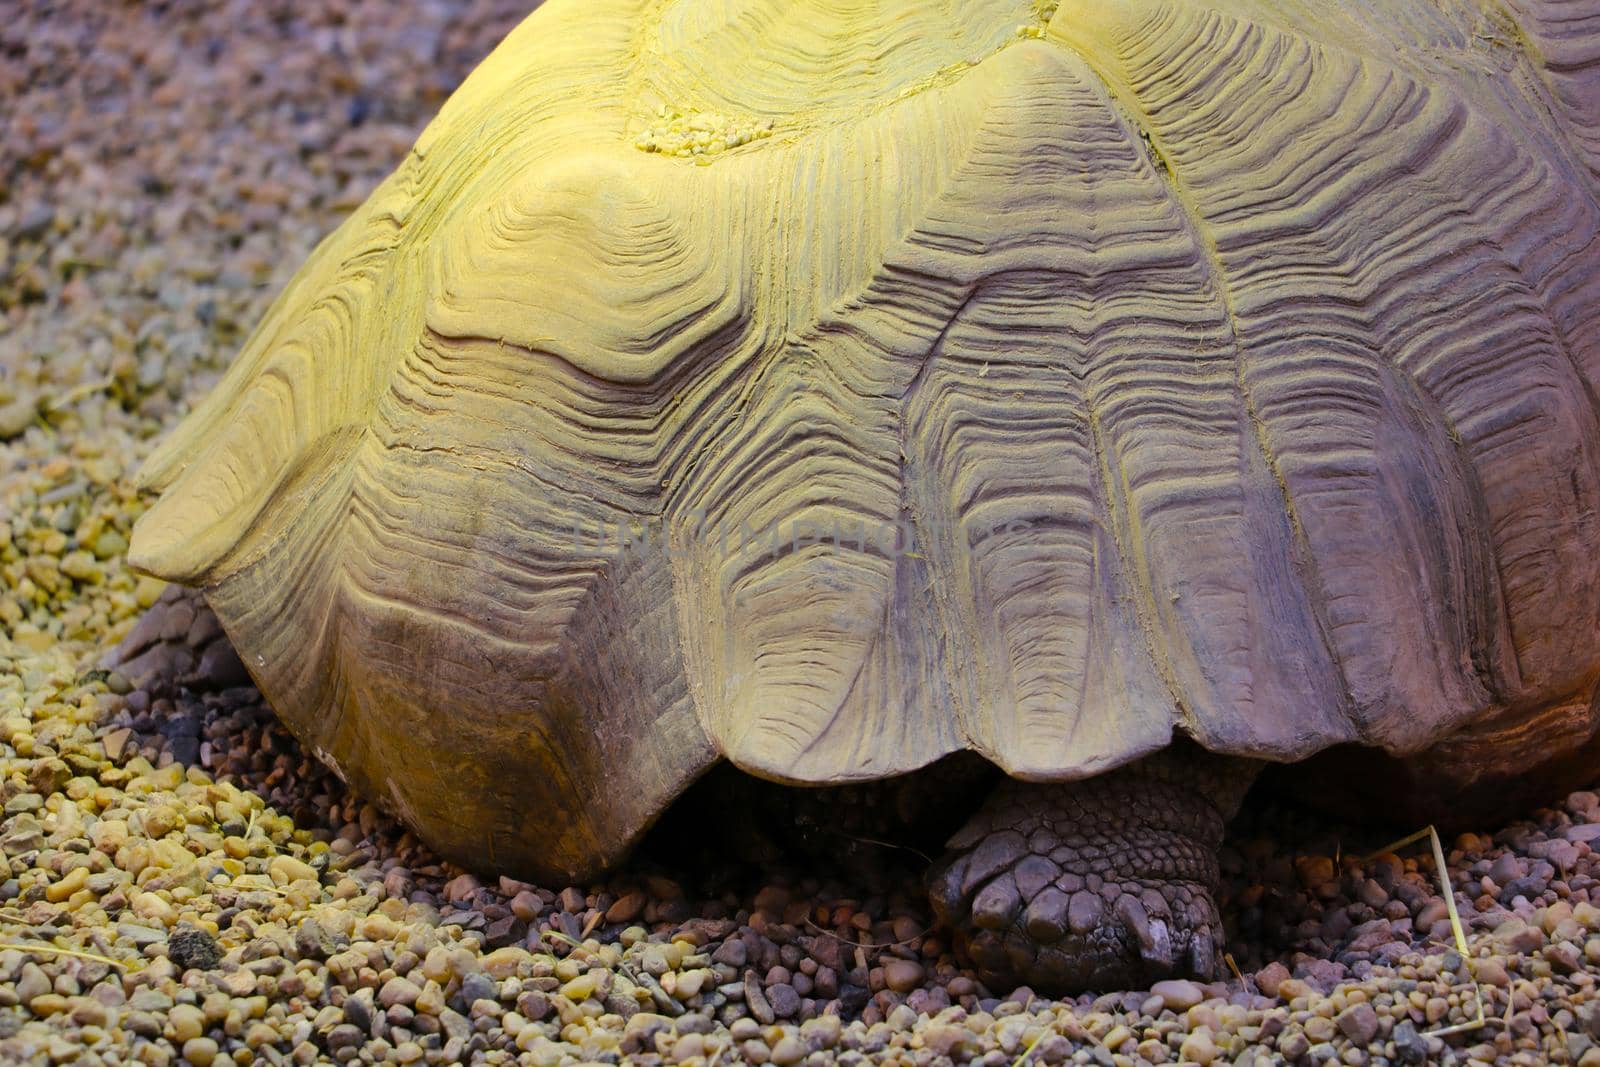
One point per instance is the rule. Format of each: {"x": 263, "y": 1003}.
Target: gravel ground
{"x": 180, "y": 883}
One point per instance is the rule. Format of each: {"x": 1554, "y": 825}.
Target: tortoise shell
{"x": 831, "y": 387}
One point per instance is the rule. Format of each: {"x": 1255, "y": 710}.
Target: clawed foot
{"x": 1104, "y": 884}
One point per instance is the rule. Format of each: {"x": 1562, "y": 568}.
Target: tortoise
{"x": 1133, "y": 393}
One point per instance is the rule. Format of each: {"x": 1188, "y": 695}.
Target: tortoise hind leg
{"x": 1106, "y": 883}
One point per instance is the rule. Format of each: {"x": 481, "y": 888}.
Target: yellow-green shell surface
{"x": 967, "y": 375}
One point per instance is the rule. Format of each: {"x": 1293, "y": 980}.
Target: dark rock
{"x": 533, "y": 1005}
{"x": 477, "y": 986}
{"x": 1564, "y": 957}
{"x": 853, "y": 997}
{"x": 220, "y": 667}
{"x": 185, "y": 750}
{"x": 183, "y": 724}
{"x": 1529, "y": 887}
{"x": 783, "y": 998}
{"x": 1506, "y": 867}
{"x": 1409, "y": 1045}
{"x": 505, "y": 931}
{"x": 189, "y": 947}
{"x": 358, "y": 1010}
{"x": 731, "y": 952}
{"x": 312, "y": 942}
{"x": 345, "y": 1036}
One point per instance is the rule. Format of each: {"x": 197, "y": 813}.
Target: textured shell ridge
{"x": 1225, "y": 368}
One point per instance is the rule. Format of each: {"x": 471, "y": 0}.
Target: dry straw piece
{"x": 55, "y": 950}
{"x": 1449, "y": 894}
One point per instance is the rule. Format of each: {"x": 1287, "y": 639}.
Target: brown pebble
{"x": 626, "y": 908}
{"x": 756, "y": 1000}
{"x": 902, "y": 976}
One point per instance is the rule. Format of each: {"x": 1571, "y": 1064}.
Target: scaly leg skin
{"x": 1101, "y": 884}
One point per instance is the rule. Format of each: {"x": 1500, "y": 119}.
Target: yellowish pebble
{"x": 74, "y": 880}
{"x": 580, "y": 988}
{"x": 186, "y": 1022}
{"x": 286, "y": 869}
